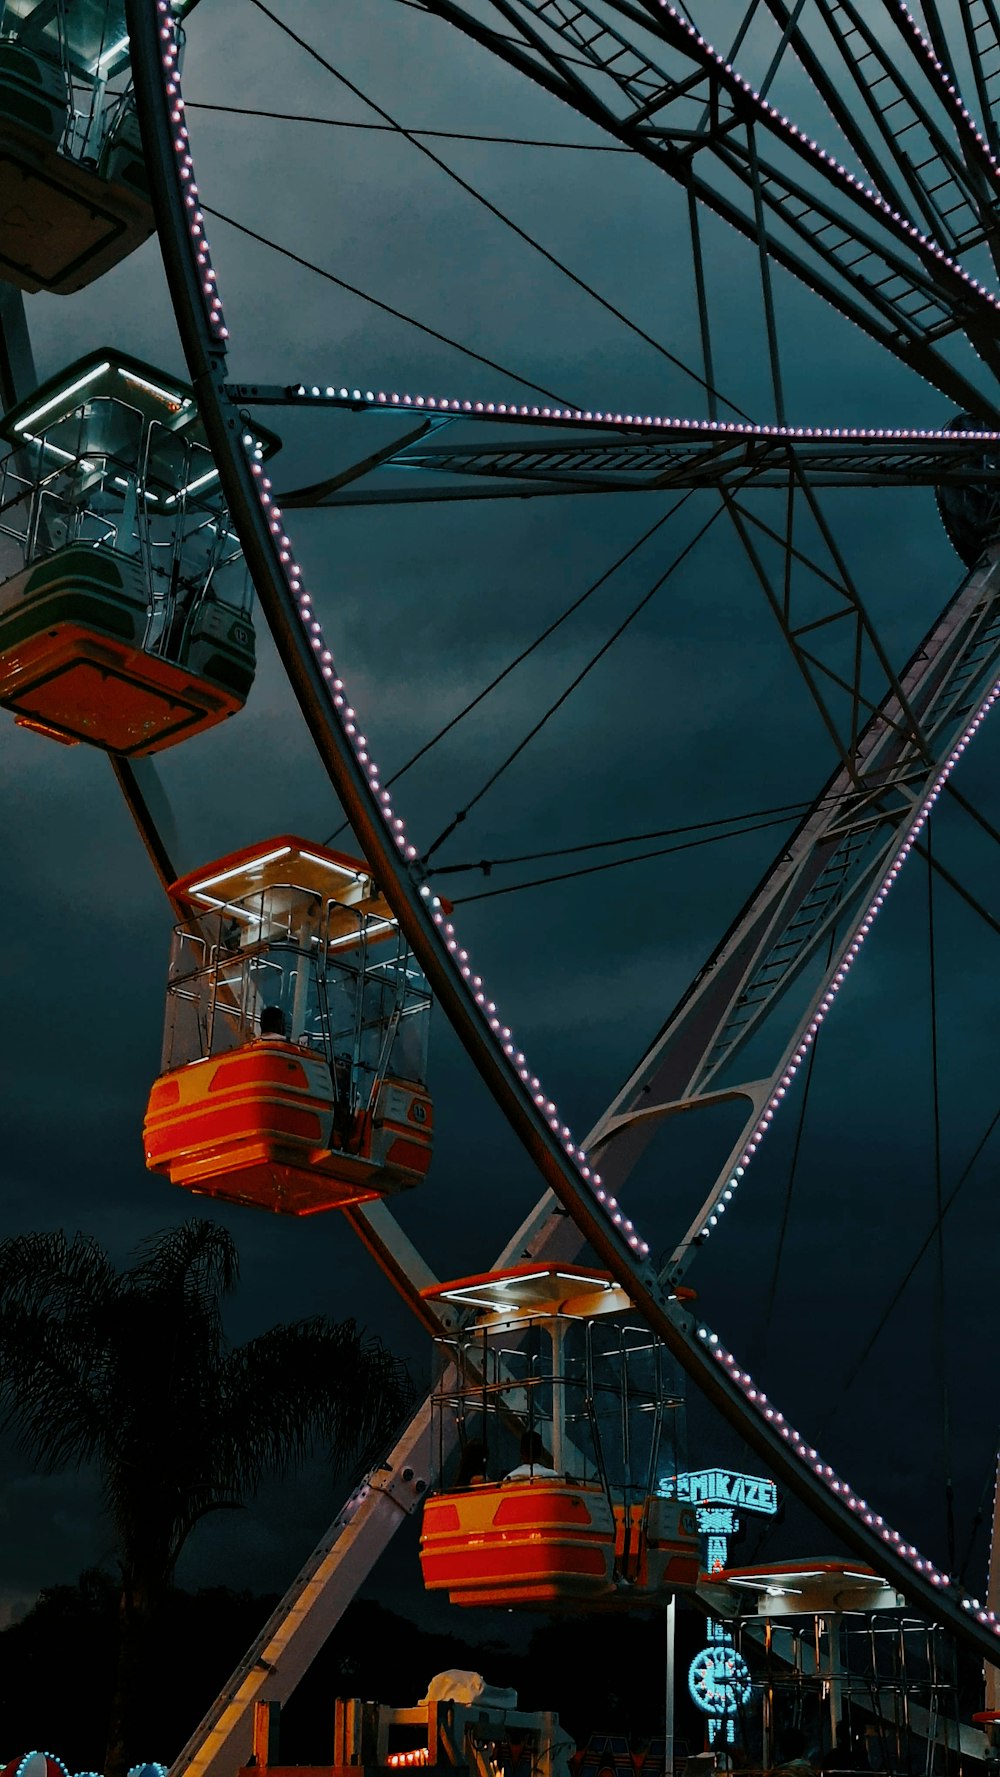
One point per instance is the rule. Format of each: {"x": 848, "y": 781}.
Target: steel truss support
{"x": 932, "y": 163}
{"x": 811, "y": 621}
{"x": 939, "y": 693}
{"x": 981, "y": 28}
{"x": 694, "y": 120}
{"x": 817, "y": 894}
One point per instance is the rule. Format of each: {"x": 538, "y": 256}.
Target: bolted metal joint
{"x": 403, "y": 1486}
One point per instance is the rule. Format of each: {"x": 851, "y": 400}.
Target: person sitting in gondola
{"x": 532, "y": 1465}
{"x": 272, "y": 1022}
{"x": 471, "y": 1463}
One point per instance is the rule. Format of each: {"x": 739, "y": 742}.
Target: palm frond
{"x": 132, "y": 1370}
{"x": 48, "y": 1271}
{"x": 316, "y": 1384}
{"x": 51, "y": 1391}
{"x": 198, "y": 1258}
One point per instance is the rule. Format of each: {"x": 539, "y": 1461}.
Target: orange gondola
{"x": 541, "y": 1542}
{"x": 295, "y": 1054}
{"x": 549, "y": 1359}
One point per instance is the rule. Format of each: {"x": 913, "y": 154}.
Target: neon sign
{"x": 718, "y": 1676}
{"x": 726, "y": 1487}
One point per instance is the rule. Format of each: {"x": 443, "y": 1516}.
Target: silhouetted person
{"x": 794, "y": 1763}
{"x": 471, "y": 1463}
{"x": 272, "y": 1022}
{"x": 532, "y": 1460}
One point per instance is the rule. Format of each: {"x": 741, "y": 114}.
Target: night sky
{"x": 697, "y": 712}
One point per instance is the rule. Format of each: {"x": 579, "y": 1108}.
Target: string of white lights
{"x": 900, "y": 225}
{"x": 170, "y": 57}
{"x": 809, "y": 1029}
{"x": 354, "y": 399}
{"x": 841, "y": 1489}
{"x": 946, "y": 90}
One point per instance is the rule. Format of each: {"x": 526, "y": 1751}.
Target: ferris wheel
{"x": 880, "y": 207}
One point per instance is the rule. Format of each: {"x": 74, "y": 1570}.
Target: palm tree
{"x": 131, "y": 1370}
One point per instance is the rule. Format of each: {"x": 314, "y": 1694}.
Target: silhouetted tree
{"x": 131, "y": 1370}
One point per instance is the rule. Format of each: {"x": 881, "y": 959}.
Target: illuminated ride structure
{"x": 125, "y": 616}
{"x": 902, "y": 243}
{"x": 828, "y": 1652}
{"x": 567, "y": 1414}
{"x": 295, "y": 1049}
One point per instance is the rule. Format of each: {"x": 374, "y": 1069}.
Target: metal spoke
{"x": 567, "y": 451}
{"x": 948, "y": 184}
{"x": 845, "y": 241}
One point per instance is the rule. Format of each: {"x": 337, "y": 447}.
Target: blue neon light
{"x": 725, "y": 1487}
{"x": 719, "y": 1679}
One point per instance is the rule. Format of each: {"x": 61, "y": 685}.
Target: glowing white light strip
{"x": 56, "y": 450}
{"x": 597, "y": 1283}
{"x": 109, "y": 55}
{"x": 146, "y": 494}
{"x": 466, "y": 1293}
{"x": 506, "y": 1283}
{"x": 514, "y": 1283}
{"x": 239, "y": 913}
{"x": 762, "y": 1586}
{"x": 61, "y": 398}
{"x": 580, "y": 416}
{"x": 312, "y": 857}
{"x": 170, "y": 60}
{"x": 373, "y": 925}
{"x": 191, "y": 487}
{"x": 269, "y": 857}
{"x": 169, "y": 395}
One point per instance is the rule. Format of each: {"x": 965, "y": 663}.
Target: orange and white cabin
{"x": 540, "y": 1543}
{"x": 567, "y": 1413}
{"x": 295, "y": 1050}
{"x": 74, "y": 195}
{"x": 125, "y": 607}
